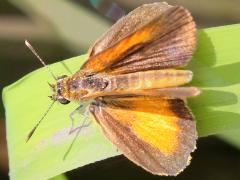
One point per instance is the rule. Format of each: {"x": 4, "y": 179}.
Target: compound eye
{"x": 59, "y": 91}
{"x": 63, "y": 100}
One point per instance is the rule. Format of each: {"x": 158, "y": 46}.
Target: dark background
{"x": 214, "y": 159}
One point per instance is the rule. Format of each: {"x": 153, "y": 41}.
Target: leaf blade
{"x": 215, "y": 64}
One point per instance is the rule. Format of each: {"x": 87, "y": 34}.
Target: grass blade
{"x": 216, "y": 66}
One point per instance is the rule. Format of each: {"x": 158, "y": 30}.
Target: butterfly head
{"x": 59, "y": 90}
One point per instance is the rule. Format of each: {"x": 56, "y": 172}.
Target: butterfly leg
{"x": 77, "y": 110}
{"x": 78, "y": 129}
{"x": 85, "y": 114}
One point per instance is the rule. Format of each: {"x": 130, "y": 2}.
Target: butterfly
{"x": 132, "y": 78}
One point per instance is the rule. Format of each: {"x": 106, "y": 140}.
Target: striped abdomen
{"x": 149, "y": 80}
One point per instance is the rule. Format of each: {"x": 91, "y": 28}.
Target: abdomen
{"x": 149, "y": 80}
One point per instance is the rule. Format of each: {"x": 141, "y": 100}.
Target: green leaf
{"x": 60, "y": 177}
{"x": 232, "y": 137}
{"x": 216, "y": 66}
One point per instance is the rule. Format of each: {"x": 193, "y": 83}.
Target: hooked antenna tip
{"x": 30, "y": 134}
{"x": 27, "y": 43}
{"x": 35, "y": 127}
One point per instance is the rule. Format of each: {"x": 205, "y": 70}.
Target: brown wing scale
{"x": 157, "y": 134}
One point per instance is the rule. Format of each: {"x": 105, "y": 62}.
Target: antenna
{"x": 39, "y": 58}
{"x": 35, "y": 127}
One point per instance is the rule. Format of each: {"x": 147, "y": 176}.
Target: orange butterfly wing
{"x": 165, "y": 41}
{"x": 128, "y": 24}
{"x": 156, "y": 133}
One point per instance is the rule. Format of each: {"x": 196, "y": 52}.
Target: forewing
{"x": 136, "y": 40}
{"x": 155, "y": 133}
{"x": 166, "y": 41}
{"x": 128, "y": 24}
{"x": 173, "y": 49}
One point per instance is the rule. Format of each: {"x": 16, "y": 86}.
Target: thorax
{"x": 78, "y": 87}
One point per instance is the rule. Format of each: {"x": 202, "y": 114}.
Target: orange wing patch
{"x": 127, "y": 45}
{"x": 167, "y": 133}
{"x": 157, "y": 134}
{"x": 158, "y": 130}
